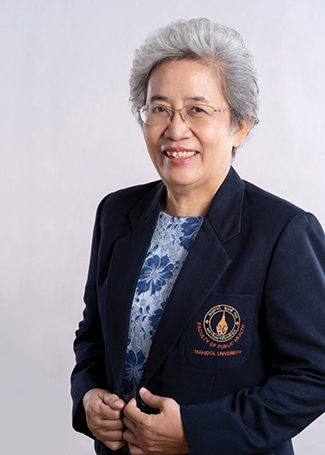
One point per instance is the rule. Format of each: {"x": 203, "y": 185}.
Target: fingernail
{"x": 143, "y": 390}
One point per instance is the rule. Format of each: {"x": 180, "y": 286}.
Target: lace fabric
{"x": 169, "y": 247}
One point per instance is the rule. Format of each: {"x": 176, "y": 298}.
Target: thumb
{"x": 154, "y": 401}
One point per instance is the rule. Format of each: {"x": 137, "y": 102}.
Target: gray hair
{"x": 203, "y": 40}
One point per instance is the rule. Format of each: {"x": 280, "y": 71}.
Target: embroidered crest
{"x": 221, "y": 323}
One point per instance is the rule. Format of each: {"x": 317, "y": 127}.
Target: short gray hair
{"x": 203, "y": 40}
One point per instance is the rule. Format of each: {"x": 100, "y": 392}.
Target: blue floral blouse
{"x": 169, "y": 247}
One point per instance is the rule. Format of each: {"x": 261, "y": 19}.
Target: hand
{"x": 104, "y": 417}
{"x": 161, "y": 433}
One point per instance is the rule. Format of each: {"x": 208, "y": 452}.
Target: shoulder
{"x": 267, "y": 210}
{"x": 262, "y": 198}
{"x": 114, "y": 210}
{"x": 268, "y": 207}
{"x": 118, "y": 211}
{"x": 125, "y": 199}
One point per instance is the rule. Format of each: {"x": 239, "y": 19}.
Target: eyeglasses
{"x": 193, "y": 114}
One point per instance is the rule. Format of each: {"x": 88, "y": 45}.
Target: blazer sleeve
{"x": 89, "y": 371}
{"x": 256, "y": 420}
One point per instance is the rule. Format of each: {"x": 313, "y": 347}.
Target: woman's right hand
{"x": 104, "y": 417}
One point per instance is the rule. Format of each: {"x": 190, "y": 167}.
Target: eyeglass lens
{"x": 154, "y": 114}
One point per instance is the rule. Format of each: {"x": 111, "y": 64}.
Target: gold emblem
{"x": 222, "y": 327}
{"x": 222, "y": 323}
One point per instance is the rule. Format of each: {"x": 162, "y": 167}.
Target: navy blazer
{"x": 241, "y": 343}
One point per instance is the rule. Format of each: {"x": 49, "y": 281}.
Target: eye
{"x": 158, "y": 109}
{"x": 196, "y": 110}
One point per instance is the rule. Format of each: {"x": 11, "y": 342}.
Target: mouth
{"x": 180, "y": 154}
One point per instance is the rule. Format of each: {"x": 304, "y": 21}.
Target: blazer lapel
{"x": 125, "y": 266}
{"x": 205, "y": 264}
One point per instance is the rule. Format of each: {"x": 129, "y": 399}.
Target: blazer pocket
{"x": 219, "y": 336}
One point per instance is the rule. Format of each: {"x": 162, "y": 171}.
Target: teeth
{"x": 183, "y": 154}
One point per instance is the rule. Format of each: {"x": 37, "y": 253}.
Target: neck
{"x": 192, "y": 200}
{"x": 186, "y": 204}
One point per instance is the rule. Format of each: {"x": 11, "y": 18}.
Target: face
{"x": 207, "y": 157}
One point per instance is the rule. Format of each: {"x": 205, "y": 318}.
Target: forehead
{"x": 184, "y": 80}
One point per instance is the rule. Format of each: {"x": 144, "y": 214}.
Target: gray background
{"x": 67, "y": 138}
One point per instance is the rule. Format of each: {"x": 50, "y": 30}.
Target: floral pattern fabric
{"x": 169, "y": 247}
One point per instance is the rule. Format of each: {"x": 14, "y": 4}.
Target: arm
{"x": 254, "y": 421}
{"x": 89, "y": 372}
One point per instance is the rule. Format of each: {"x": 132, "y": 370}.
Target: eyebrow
{"x": 190, "y": 98}
{"x": 197, "y": 98}
{"x": 158, "y": 98}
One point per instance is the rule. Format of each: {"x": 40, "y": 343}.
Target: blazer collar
{"x": 149, "y": 204}
{"x": 224, "y": 214}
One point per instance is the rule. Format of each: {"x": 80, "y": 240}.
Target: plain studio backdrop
{"x": 68, "y": 138}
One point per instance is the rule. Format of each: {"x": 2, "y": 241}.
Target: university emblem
{"x": 221, "y": 323}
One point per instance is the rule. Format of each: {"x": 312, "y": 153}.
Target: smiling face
{"x": 195, "y": 158}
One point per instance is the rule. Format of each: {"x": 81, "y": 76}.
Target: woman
{"x": 203, "y": 330}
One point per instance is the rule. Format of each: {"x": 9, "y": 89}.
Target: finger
{"x": 130, "y": 437}
{"x": 114, "y": 445}
{"x": 132, "y": 411}
{"x": 107, "y": 435}
{"x": 106, "y": 412}
{"x": 112, "y": 435}
{"x": 100, "y": 410}
{"x": 111, "y": 425}
{"x": 106, "y": 425}
{"x": 112, "y": 400}
{"x": 136, "y": 450}
{"x": 129, "y": 424}
{"x": 97, "y": 422}
{"x": 154, "y": 401}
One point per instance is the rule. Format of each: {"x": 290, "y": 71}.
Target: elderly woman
{"x": 203, "y": 330}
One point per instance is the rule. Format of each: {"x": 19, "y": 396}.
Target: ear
{"x": 241, "y": 132}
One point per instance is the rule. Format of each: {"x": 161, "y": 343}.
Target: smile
{"x": 180, "y": 154}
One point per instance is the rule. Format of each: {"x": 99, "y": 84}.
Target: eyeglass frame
{"x": 172, "y": 111}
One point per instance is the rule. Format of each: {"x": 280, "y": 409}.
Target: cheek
{"x": 212, "y": 138}
{"x": 220, "y": 136}
{"x": 153, "y": 149}
{"x": 149, "y": 142}
{"x": 151, "y": 134}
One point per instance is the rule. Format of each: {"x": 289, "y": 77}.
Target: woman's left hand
{"x": 160, "y": 433}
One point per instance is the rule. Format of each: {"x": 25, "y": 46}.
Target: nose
{"x": 181, "y": 114}
{"x": 177, "y": 128}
